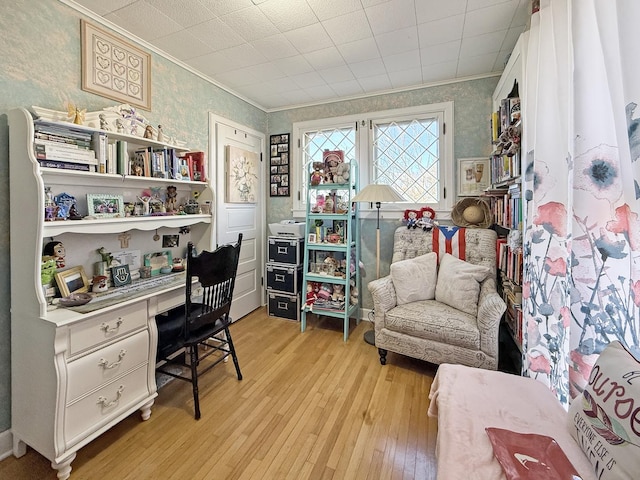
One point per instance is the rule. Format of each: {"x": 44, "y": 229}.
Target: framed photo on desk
{"x": 72, "y": 280}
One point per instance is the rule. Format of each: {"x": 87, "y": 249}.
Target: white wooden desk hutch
{"x": 75, "y": 375}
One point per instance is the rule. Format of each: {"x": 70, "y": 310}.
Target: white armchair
{"x": 433, "y": 330}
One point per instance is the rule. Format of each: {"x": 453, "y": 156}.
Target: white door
{"x": 236, "y": 217}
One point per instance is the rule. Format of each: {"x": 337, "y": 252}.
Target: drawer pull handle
{"x": 104, "y": 403}
{"x": 279, "y": 277}
{"x": 283, "y": 250}
{"x": 106, "y": 365}
{"x": 107, "y": 329}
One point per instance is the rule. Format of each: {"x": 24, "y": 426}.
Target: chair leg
{"x": 383, "y": 356}
{"x": 233, "y": 353}
{"x": 193, "y": 353}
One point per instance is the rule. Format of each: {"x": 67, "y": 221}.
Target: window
{"x": 409, "y": 149}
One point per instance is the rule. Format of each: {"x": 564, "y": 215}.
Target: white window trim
{"x": 363, "y": 138}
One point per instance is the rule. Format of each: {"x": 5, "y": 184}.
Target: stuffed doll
{"x": 411, "y": 218}
{"x": 342, "y": 173}
{"x": 426, "y": 220}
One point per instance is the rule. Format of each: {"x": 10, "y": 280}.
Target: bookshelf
{"x": 505, "y": 197}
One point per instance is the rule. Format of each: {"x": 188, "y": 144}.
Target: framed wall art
{"x": 279, "y": 173}
{"x": 474, "y": 176}
{"x": 73, "y": 280}
{"x": 242, "y": 175}
{"x": 114, "y": 68}
{"x": 104, "y": 205}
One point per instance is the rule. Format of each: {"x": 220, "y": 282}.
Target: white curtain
{"x": 582, "y": 238}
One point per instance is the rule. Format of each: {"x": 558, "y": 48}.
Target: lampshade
{"x": 377, "y": 192}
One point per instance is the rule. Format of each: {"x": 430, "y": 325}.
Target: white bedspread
{"x": 466, "y": 400}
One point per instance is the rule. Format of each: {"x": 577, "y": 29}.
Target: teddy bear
{"x": 338, "y": 293}
{"x": 342, "y": 173}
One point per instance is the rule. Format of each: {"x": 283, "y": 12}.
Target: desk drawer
{"x": 107, "y": 326}
{"x": 94, "y": 411}
{"x": 91, "y": 371}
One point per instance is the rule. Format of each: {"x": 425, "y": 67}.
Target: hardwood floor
{"x": 310, "y": 407}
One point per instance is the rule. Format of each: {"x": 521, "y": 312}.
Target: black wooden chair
{"x": 198, "y": 326}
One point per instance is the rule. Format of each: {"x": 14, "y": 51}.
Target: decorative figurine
{"x": 145, "y": 204}
{"x": 148, "y": 132}
{"x": 99, "y": 284}
{"x": 172, "y": 193}
{"x": 56, "y": 250}
{"x": 104, "y": 125}
{"x": 119, "y": 126}
{"x": 76, "y": 114}
{"x": 160, "y": 134}
{"x": 106, "y": 256}
{"x": 74, "y": 214}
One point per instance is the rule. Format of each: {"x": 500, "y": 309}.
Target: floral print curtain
{"x": 582, "y": 141}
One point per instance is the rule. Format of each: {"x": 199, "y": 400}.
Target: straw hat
{"x": 471, "y": 212}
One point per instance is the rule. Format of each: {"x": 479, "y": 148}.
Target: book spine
{"x": 66, "y": 165}
{"x": 100, "y": 148}
{"x": 78, "y": 154}
{"x": 122, "y": 158}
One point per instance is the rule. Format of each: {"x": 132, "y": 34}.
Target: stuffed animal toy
{"x": 353, "y": 293}
{"x": 342, "y": 174}
{"x": 338, "y": 293}
{"x": 427, "y": 217}
{"x": 411, "y": 218}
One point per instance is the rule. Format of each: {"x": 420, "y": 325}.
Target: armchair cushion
{"x": 459, "y": 283}
{"x": 415, "y": 279}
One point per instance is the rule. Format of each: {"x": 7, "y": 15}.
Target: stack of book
{"x": 64, "y": 147}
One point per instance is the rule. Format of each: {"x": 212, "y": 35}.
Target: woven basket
{"x": 459, "y": 208}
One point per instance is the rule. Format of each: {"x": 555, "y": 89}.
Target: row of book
{"x": 508, "y": 114}
{"x": 65, "y": 147}
{"x": 506, "y": 206}
{"x": 505, "y": 167}
{"x": 509, "y": 261}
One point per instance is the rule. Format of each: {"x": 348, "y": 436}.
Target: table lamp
{"x": 377, "y": 193}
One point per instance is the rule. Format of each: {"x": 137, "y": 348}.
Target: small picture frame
{"x": 170, "y": 241}
{"x": 121, "y": 275}
{"x": 474, "y": 176}
{"x": 158, "y": 260}
{"x": 105, "y": 205}
{"x": 72, "y": 280}
{"x": 311, "y": 238}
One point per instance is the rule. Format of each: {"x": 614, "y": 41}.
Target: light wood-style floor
{"x": 310, "y": 407}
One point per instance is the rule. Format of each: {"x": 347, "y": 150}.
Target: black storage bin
{"x": 284, "y": 278}
{"x": 285, "y": 250}
{"x": 284, "y": 306}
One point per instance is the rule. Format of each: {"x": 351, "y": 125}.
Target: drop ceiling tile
{"x": 238, "y": 78}
{"x": 308, "y": 80}
{"x": 185, "y": 12}
{"x": 216, "y": 34}
{"x": 391, "y": 15}
{"x": 369, "y": 68}
{"x": 265, "y": 71}
{"x": 482, "y": 44}
{"x": 476, "y": 65}
{"x": 430, "y": 10}
{"x": 401, "y": 61}
{"x": 489, "y": 19}
{"x": 321, "y": 92}
{"x": 310, "y": 38}
{"x": 243, "y": 56}
{"x": 511, "y": 38}
{"x": 439, "y": 71}
{"x": 398, "y": 41}
{"x": 406, "y": 78}
{"x": 222, "y": 7}
{"x": 523, "y": 14}
{"x": 440, "y": 53}
{"x": 348, "y": 28}
{"x": 346, "y": 89}
{"x": 359, "y": 50}
{"x": 293, "y": 65}
{"x": 370, "y": 3}
{"x": 441, "y": 31}
{"x": 250, "y": 24}
{"x": 296, "y": 97}
{"x": 325, "y": 9}
{"x": 325, "y": 58}
{"x": 336, "y": 74}
{"x": 274, "y": 47}
{"x": 501, "y": 60}
{"x": 290, "y": 16}
{"x": 473, "y": 5}
{"x": 182, "y": 45}
{"x": 375, "y": 83}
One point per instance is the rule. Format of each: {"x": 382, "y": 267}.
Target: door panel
{"x": 248, "y": 218}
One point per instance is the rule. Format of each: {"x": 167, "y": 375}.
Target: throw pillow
{"x": 459, "y": 283}
{"x": 605, "y": 419}
{"x": 415, "y": 278}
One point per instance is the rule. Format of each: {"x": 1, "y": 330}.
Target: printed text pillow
{"x": 415, "y": 278}
{"x": 459, "y": 283}
{"x": 605, "y": 419}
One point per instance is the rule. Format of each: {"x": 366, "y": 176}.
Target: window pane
{"x": 406, "y": 155}
{"x": 317, "y": 141}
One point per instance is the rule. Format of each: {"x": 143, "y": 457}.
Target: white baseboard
{"x": 366, "y": 314}
{"x": 6, "y": 444}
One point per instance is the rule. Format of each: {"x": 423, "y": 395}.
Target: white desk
{"x": 91, "y": 370}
